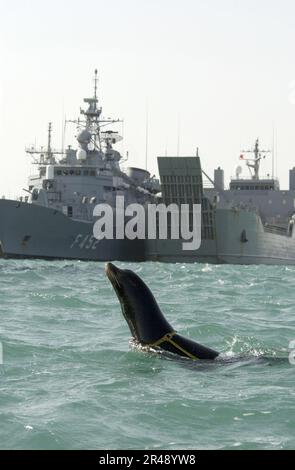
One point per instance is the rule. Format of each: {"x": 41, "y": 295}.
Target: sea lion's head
{"x": 139, "y": 307}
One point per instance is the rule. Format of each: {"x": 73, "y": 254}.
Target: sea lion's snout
{"x": 110, "y": 268}
{"x": 112, "y": 273}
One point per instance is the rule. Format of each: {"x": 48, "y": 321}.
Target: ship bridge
{"x": 264, "y": 184}
{"x": 255, "y": 182}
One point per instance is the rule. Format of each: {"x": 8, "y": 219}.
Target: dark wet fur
{"x": 239, "y": 360}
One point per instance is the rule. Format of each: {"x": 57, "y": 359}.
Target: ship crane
{"x": 254, "y": 163}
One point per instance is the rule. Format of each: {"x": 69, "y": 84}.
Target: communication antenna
{"x": 239, "y": 171}
{"x": 49, "y": 151}
{"x": 178, "y": 135}
{"x": 63, "y": 134}
{"x": 95, "y": 83}
{"x": 254, "y": 162}
{"x": 274, "y": 150}
{"x": 146, "y": 135}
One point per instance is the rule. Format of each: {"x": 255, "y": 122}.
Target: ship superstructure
{"x": 275, "y": 205}
{"x": 75, "y": 180}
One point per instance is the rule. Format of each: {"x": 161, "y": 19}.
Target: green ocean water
{"x": 71, "y": 381}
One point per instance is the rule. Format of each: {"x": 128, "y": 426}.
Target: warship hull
{"x": 171, "y": 251}
{"x": 257, "y": 245}
{"x": 243, "y": 239}
{"x": 32, "y": 231}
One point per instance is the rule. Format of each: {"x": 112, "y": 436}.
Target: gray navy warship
{"x": 55, "y": 219}
{"x": 251, "y": 222}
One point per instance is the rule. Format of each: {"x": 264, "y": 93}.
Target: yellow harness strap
{"x": 168, "y": 337}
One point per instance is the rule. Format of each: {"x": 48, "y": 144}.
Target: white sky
{"x": 224, "y": 69}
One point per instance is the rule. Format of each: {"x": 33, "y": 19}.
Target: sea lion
{"x": 147, "y": 323}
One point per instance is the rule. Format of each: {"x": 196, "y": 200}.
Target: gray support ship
{"x": 252, "y": 222}
{"x": 254, "y": 218}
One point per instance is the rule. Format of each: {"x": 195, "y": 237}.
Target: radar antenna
{"x": 95, "y": 84}
{"x": 93, "y": 121}
{"x": 49, "y": 151}
{"x": 254, "y": 163}
{"x": 46, "y": 157}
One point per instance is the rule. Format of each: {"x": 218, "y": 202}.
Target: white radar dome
{"x": 81, "y": 154}
{"x": 84, "y": 137}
